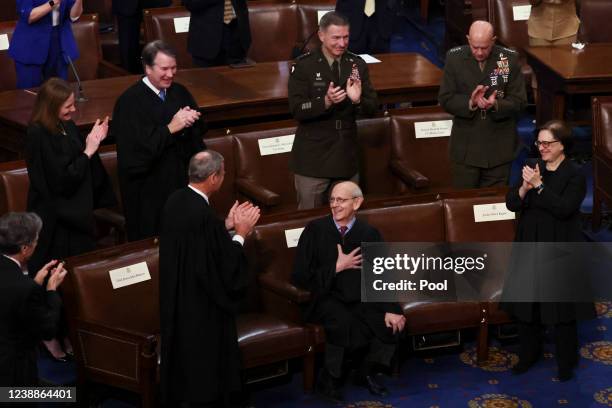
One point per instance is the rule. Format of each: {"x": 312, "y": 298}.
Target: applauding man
{"x": 328, "y": 89}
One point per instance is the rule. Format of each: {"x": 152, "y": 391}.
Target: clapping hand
{"x": 353, "y": 89}
{"x": 335, "y": 94}
{"x": 352, "y": 260}
{"x": 183, "y": 118}
{"x": 96, "y": 136}
{"x": 245, "y": 217}
{"x": 396, "y": 322}
{"x": 58, "y": 273}
{"x": 229, "y": 220}
{"x": 532, "y": 176}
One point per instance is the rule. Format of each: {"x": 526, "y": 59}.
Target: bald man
{"x": 328, "y": 264}
{"x": 484, "y": 90}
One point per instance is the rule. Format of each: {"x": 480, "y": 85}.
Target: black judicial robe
{"x": 65, "y": 188}
{"x": 152, "y": 162}
{"x": 337, "y": 297}
{"x": 28, "y": 314}
{"x": 203, "y": 275}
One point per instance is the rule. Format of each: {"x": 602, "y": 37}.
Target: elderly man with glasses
{"x": 328, "y": 264}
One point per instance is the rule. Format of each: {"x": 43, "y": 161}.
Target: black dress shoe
{"x": 565, "y": 374}
{"x": 328, "y": 387}
{"x": 522, "y": 367}
{"x": 372, "y": 384}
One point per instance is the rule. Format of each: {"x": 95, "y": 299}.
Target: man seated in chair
{"x": 328, "y": 264}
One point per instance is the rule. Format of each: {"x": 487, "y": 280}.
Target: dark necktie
{"x": 162, "y": 94}
{"x": 335, "y": 73}
{"x": 343, "y": 229}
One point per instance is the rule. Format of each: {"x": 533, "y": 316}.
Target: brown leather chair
{"x": 8, "y": 11}
{"x": 510, "y": 33}
{"x": 602, "y": 156}
{"x": 103, "y": 8}
{"x": 223, "y": 199}
{"x": 308, "y": 23}
{"x": 8, "y": 76}
{"x": 14, "y": 185}
{"x": 111, "y": 221}
{"x": 266, "y": 180}
{"x": 595, "y": 15}
{"x": 273, "y": 30}
{"x": 424, "y": 162}
{"x": 159, "y": 25}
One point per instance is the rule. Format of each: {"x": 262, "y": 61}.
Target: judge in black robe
{"x": 152, "y": 161}
{"x": 351, "y": 327}
{"x": 28, "y": 312}
{"x": 203, "y": 275}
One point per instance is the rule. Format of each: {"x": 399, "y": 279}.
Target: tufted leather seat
{"x": 14, "y": 185}
{"x": 602, "y": 156}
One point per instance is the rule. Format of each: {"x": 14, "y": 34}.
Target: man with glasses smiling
{"x": 328, "y": 264}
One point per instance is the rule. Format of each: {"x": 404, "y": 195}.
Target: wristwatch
{"x": 52, "y": 3}
{"x": 540, "y": 188}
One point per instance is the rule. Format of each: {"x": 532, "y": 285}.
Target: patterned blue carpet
{"x": 450, "y": 378}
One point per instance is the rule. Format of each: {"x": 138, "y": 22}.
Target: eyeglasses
{"x": 543, "y": 143}
{"x": 339, "y": 200}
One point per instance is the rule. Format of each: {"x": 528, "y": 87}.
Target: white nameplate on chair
{"x": 4, "y": 42}
{"x": 369, "y": 59}
{"x": 129, "y": 275}
{"x": 521, "y": 13}
{"x": 181, "y": 25}
{"x": 276, "y": 145}
{"x": 492, "y": 212}
{"x": 293, "y": 236}
{"x": 436, "y": 128}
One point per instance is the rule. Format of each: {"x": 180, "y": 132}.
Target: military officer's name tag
{"x": 437, "y": 128}
{"x": 4, "y": 42}
{"x": 129, "y": 275}
{"x": 492, "y": 212}
{"x": 521, "y": 13}
{"x": 181, "y": 25}
{"x": 275, "y": 145}
{"x": 293, "y": 237}
{"x": 369, "y": 59}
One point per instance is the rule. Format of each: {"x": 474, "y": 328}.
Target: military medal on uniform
{"x": 355, "y": 73}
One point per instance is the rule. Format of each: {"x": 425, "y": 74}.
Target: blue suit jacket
{"x": 30, "y": 42}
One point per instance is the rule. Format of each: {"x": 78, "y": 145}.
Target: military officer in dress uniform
{"x": 483, "y": 88}
{"x": 328, "y": 89}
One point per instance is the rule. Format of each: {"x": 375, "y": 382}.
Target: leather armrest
{"x": 110, "y": 216}
{"x": 284, "y": 289}
{"x": 147, "y": 342}
{"x": 257, "y": 192}
{"x": 108, "y": 70}
{"x": 409, "y": 175}
{"x": 602, "y": 154}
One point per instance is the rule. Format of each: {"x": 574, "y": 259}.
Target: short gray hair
{"x": 332, "y": 18}
{"x": 17, "y": 229}
{"x": 150, "y": 51}
{"x": 204, "y": 164}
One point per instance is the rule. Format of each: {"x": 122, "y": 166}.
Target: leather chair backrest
{"x": 375, "y": 177}
{"x": 273, "y": 30}
{"x": 103, "y": 8}
{"x": 428, "y": 155}
{"x": 602, "y": 125}
{"x": 14, "y": 186}
{"x": 8, "y": 11}
{"x": 462, "y": 227}
{"x": 509, "y": 32}
{"x": 108, "y": 156}
{"x": 91, "y": 297}
{"x": 159, "y": 25}
{"x": 87, "y": 35}
{"x": 308, "y": 23}
{"x": 270, "y": 171}
{"x": 8, "y": 76}
{"x": 223, "y": 199}
{"x": 418, "y": 222}
{"x": 595, "y": 15}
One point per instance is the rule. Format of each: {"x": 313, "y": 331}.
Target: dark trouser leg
{"x": 232, "y": 44}
{"x": 55, "y": 65}
{"x": 465, "y": 176}
{"x": 566, "y": 345}
{"x": 129, "y": 42}
{"x": 495, "y": 176}
{"x": 529, "y": 342}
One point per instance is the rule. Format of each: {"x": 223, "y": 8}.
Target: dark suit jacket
{"x": 28, "y": 313}
{"x": 353, "y": 10}
{"x": 206, "y": 26}
{"x": 133, "y": 7}
{"x": 30, "y": 43}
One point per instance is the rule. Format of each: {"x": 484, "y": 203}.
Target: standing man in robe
{"x": 483, "y": 88}
{"x": 328, "y": 264}
{"x": 202, "y": 277}
{"x": 328, "y": 89}
{"x": 371, "y": 24}
{"x": 158, "y": 128}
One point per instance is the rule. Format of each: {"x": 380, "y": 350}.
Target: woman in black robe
{"x": 67, "y": 179}
{"x": 548, "y": 200}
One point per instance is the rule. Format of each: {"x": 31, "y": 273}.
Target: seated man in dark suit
{"x": 328, "y": 264}
{"x": 28, "y": 312}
